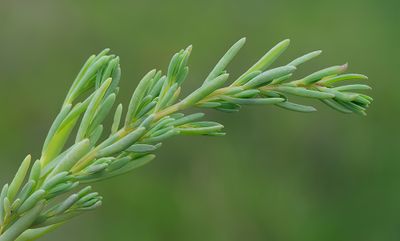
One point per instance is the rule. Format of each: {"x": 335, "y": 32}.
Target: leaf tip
{"x": 344, "y": 66}
{"x": 285, "y": 42}
{"x": 189, "y": 48}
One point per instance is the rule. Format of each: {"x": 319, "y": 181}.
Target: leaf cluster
{"x": 51, "y": 190}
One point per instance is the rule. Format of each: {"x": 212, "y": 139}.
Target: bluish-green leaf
{"x": 353, "y": 87}
{"x": 66, "y": 204}
{"x": 35, "y": 171}
{"x": 162, "y": 137}
{"x": 187, "y": 119}
{"x": 299, "y": 91}
{"x": 268, "y": 76}
{"x": 31, "y": 201}
{"x": 204, "y": 90}
{"x": 296, "y": 107}
{"x": 123, "y": 143}
{"x": 137, "y": 96}
{"x": 19, "y": 177}
{"x": 269, "y": 57}
{"x": 117, "y": 119}
{"x": 225, "y": 60}
{"x": 26, "y": 190}
{"x": 317, "y": 76}
{"x": 73, "y": 156}
{"x": 56, "y": 124}
{"x": 252, "y": 101}
{"x": 200, "y": 128}
{"x": 55, "y": 180}
{"x": 3, "y": 195}
{"x": 336, "y": 106}
{"x": 305, "y": 58}
{"x": 143, "y": 148}
{"x": 343, "y": 77}
{"x": 102, "y": 112}
{"x": 91, "y": 111}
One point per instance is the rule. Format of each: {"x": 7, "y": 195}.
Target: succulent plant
{"x": 53, "y": 189}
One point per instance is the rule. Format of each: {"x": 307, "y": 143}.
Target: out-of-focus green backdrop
{"x": 277, "y": 175}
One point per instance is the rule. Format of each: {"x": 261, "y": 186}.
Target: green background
{"x": 277, "y": 175}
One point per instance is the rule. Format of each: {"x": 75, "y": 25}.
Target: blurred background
{"x": 277, "y": 175}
